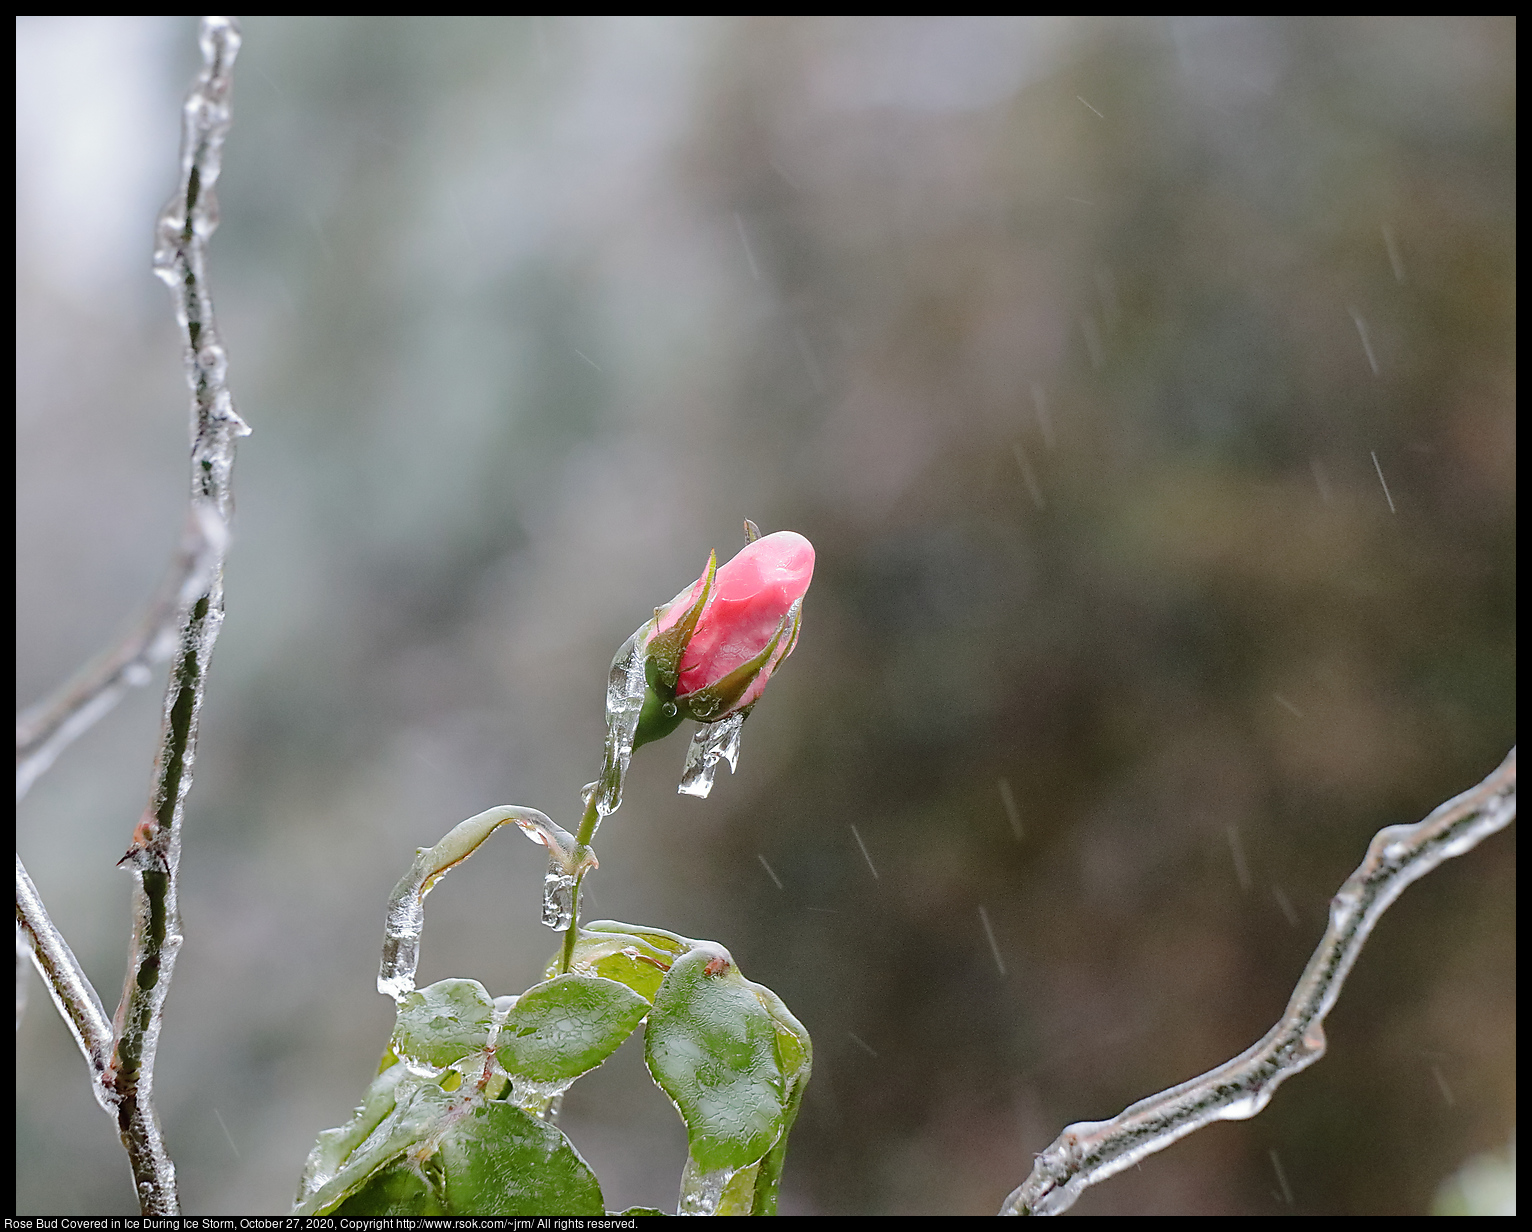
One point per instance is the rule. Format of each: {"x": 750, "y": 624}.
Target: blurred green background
{"x": 1075, "y": 346}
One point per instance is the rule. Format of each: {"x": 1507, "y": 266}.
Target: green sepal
{"x": 738, "y": 1197}
{"x": 665, "y": 649}
{"x": 706, "y": 704}
{"x": 711, "y": 1046}
{"x": 654, "y": 721}
{"x": 565, "y": 1026}
{"x": 443, "y": 1022}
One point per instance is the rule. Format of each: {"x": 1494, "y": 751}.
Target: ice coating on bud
{"x": 752, "y": 595}
{"x": 706, "y": 656}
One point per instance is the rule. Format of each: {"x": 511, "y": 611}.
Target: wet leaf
{"x": 660, "y": 938}
{"x": 334, "y": 1146}
{"x": 795, "y": 1058}
{"x": 418, "y": 1108}
{"x": 711, "y": 1046}
{"x": 567, "y": 1025}
{"x": 443, "y": 1022}
{"x": 491, "y": 1159}
{"x": 624, "y": 957}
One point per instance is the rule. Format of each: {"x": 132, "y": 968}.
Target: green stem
{"x": 587, "y": 832}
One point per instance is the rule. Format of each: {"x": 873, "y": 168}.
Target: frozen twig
{"x": 72, "y": 991}
{"x": 47, "y": 728}
{"x": 182, "y": 622}
{"x": 1091, "y": 1151}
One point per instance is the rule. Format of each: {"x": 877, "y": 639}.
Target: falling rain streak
{"x": 1361, "y": 329}
{"x": 1092, "y": 334}
{"x": 1276, "y": 1166}
{"x": 1044, "y": 420}
{"x": 744, "y": 241}
{"x": 1287, "y": 705}
{"x": 990, "y": 933}
{"x": 1285, "y": 904}
{"x": 1091, "y": 109}
{"x": 1321, "y": 480}
{"x": 856, "y": 834}
{"x": 810, "y": 360}
{"x": 1393, "y": 252}
{"x": 1237, "y": 850}
{"x": 777, "y": 880}
{"x": 1028, "y": 475}
{"x": 1387, "y": 495}
{"x": 1008, "y": 802}
{"x": 862, "y": 1044}
{"x": 230, "y": 1137}
{"x": 1441, "y": 1082}
{"x": 462, "y": 222}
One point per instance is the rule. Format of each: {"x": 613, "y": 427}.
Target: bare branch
{"x": 1091, "y": 1151}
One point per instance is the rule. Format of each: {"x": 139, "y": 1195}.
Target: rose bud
{"x": 716, "y": 644}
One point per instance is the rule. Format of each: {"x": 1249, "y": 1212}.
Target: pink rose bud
{"x": 716, "y": 645}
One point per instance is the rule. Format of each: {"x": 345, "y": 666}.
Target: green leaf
{"x": 565, "y": 1026}
{"x": 334, "y": 1146}
{"x": 795, "y": 1051}
{"x": 489, "y": 1159}
{"x": 418, "y": 1109}
{"x": 404, "y": 1187}
{"x": 443, "y": 1022}
{"x": 711, "y": 1047}
{"x": 795, "y": 1058}
{"x": 660, "y": 938}
{"x": 624, "y": 957}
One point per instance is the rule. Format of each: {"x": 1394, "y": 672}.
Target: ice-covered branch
{"x": 1091, "y": 1151}
{"x": 180, "y": 250}
{"x": 72, "y": 992}
{"x": 47, "y": 728}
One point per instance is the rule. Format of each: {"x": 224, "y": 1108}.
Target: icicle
{"x": 710, "y": 743}
{"x": 405, "y": 918}
{"x": 558, "y": 897}
{"x": 701, "y": 1191}
{"x": 541, "y": 1099}
{"x": 624, "y": 704}
{"x": 567, "y": 860}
